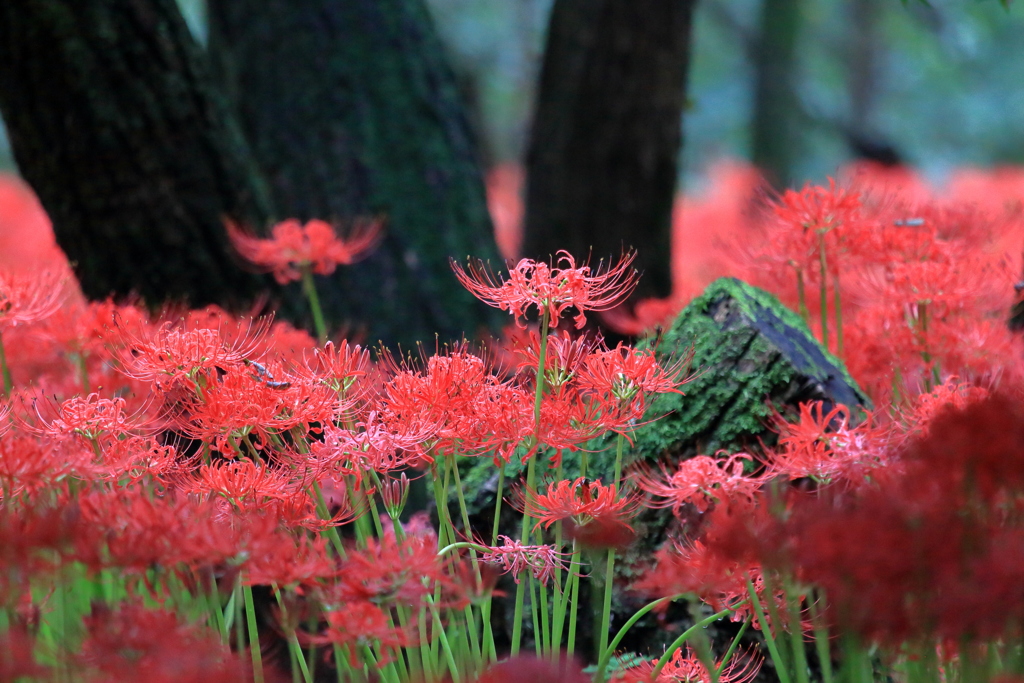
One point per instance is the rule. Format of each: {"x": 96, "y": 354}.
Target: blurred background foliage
{"x": 945, "y": 88}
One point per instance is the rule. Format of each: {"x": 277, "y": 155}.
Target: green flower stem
{"x": 796, "y": 633}
{"x": 309, "y": 289}
{"x": 687, "y": 634}
{"x": 453, "y": 668}
{"x": 781, "y": 666}
{"x": 729, "y": 653}
{"x": 837, "y": 305}
{"x": 606, "y": 655}
{"x": 609, "y": 574}
{"x": 293, "y": 641}
{"x": 474, "y": 634}
{"x": 823, "y": 289}
{"x": 531, "y": 478}
{"x": 821, "y": 641}
{"x": 801, "y": 295}
{"x": 254, "y": 635}
{"x": 8, "y": 382}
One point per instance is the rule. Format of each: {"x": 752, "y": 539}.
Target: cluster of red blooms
{"x": 156, "y": 469}
{"x": 215, "y": 454}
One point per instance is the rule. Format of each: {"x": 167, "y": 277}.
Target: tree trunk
{"x": 114, "y": 121}
{"x": 603, "y": 157}
{"x": 352, "y": 111}
{"x": 776, "y": 120}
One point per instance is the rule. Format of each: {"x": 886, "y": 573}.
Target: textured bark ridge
{"x": 114, "y": 121}
{"x": 753, "y": 355}
{"x": 352, "y": 111}
{"x": 603, "y": 158}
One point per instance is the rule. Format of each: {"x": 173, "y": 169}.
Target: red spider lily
{"x": 741, "y": 668}
{"x": 151, "y": 644}
{"x": 583, "y": 502}
{"x": 564, "y": 356}
{"x": 627, "y": 374}
{"x": 34, "y": 541}
{"x": 514, "y": 558}
{"x": 569, "y": 419}
{"x": 701, "y": 481}
{"x": 358, "y": 624}
{"x": 824, "y": 447}
{"x": 140, "y": 458}
{"x": 694, "y": 568}
{"x": 818, "y": 208}
{"x": 551, "y": 288}
{"x": 28, "y": 463}
{"x": 473, "y": 411}
{"x": 28, "y": 298}
{"x": 134, "y": 529}
{"x": 244, "y": 483}
{"x": 376, "y": 443}
{"x": 395, "y": 571}
{"x": 339, "y": 367}
{"x": 316, "y": 245}
{"x": 170, "y": 354}
{"x": 284, "y": 560}
{"x": 251, "y": 402}
{"x": 91, "y": 417}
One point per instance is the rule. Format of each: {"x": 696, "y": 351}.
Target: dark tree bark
{"x": 603, "y": 157}
{"x": 114, "y": 121}
{"x": 775, "y": 134}
{"x": 352, "y": 111}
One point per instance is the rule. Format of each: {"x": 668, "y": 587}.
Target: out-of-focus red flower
{"x": 701, "y": 481}
{"x": 316, "y": 245}
{"x": 529, "y": 669}
{"x": 551, "y": 289}
{"x": 176, "y": 352}
{"x": 138, "y": 643}
{"x": 29, "y": 298}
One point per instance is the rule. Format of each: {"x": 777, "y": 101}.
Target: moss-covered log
{"x": 115, "y": 122}
{"x": 352, "y": 111}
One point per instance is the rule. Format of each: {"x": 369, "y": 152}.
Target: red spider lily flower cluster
{"x": 316, "y": 246}
{"x": 206, "y": 478}
{"x": 687, "y": 666}
{"x": 551, "y": 289}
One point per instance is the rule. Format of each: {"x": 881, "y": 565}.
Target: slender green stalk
{"x": 796, "y": 633}
{"x": 781, "y": 665}
{"x": 609, "y": 573}
{"x": 293, "y": 641}
{"x": 821, "y": 641}
{"x": 823, "y": 289}
{"x": 801, "y": 295}
{"x": 8, "y": 382}
{"x": 686, "y": 635}
{"x": 254, "y": 635}
{"x": 531, "y": 478}
{"x": 574, "y": 578}
{"x": 309, "y": 289}
{"x": 717, "y": 672}
{"x": 838, "y": 306}
{"x": 474, "y": 633}
{"x": 606, "y": 655}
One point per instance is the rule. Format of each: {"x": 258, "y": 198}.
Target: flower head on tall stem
{"x": 294, "y": 247}
{"x": 551, "y": 288}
